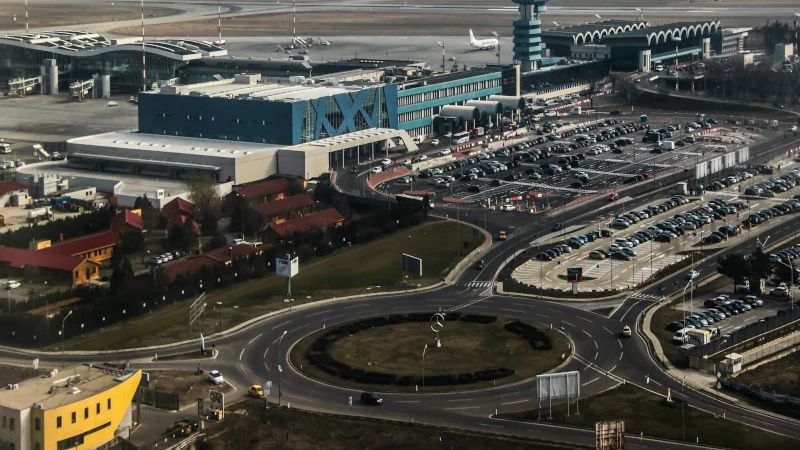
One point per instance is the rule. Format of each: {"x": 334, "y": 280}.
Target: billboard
{"x": 574, "y": 274}
{"x": 609, "y": 435}
{"x": 412, "y": 265}
{"x": 286, "y": 266}
{"x": 555, "y": 386}
{"x": 216, "y": 400}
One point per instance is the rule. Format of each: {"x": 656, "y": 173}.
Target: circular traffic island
{"x": 386, "y": 353}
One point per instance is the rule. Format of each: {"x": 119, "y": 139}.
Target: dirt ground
{"x": 782, "y": 376}
{"x": 60, "y": 13}
{"x": 189, "y": 385}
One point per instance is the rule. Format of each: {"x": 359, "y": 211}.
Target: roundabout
{"x": 461, "y": 352}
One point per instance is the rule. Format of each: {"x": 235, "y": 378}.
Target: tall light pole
{"x": 280, "y": 369}
{"x": 677, "y": 41}
{"x": 790, "y": 265}
{"x": 219, "y": 316}
{"x": 441, "y": 44}
{"x": 423, "y": 382}
{"x": 497, "y": 36}
{"x": 63, "y": 322}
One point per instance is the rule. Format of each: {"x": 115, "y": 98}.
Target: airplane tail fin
{"x": 471, "y": 36}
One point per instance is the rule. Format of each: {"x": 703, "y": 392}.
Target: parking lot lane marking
{"x": 515, "y": 402}
{"x": 591, "y": 381}
{"x": 568, "y": 323}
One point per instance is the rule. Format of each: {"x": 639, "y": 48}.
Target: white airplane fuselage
{"x": 482, "y": 44}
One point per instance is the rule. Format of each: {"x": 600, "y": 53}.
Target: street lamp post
{"x": 63, "y": 322}
{"x": 677, "y": 41}
{"x": 280, "y": 370}
{"x": 790, "y": 265}
{"x": 441, "y": 44}
{"x": 423, "y": 382}
{"x": 497, "y": 36}
{"x": 219, "y": 316}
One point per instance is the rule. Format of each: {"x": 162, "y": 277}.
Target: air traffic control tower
{"x": 528, "y": 34}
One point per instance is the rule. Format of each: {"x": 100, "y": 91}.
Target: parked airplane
{"x": 482, "y": 44}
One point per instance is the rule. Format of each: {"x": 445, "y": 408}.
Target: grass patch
{"x": 645, "y": 412}
{"x": 293, "y": 429}
{"x": 370, "y": 267}
{"x": 397, "y": 349}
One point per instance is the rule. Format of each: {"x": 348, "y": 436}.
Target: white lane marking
{"x": 595, "y": 345}
{"x": 265, "y": 352}
{"x": 612, "y": 369}
{"x": 241, "y": 354}
{"x": 407, "y": 401}
{"x": 318, "y": 313}
{"x": 567, "y": 323}
{"x": 596, "y": 354}
{"x": 282, "y": 324}
{"x": 587, "y": 333}
{"x": 356, "y": 306}
{"x": 620, "y": 356}
{"x": 514, "y": 402}
{"x": 585, "y": 319}
{"x": 463, "y": 407}
{"x": 490, "y": 425}
{"x": 512, "y": 310}
{"x": 266, "y": 366}
{"x": 254, "y": 339}
{"x": 591, "y": 381}
{"x": 629, "y": 310}
{"x": 620, "y": 344}
{"x": 461, "y": 400}
{"x": 607, "y": 330}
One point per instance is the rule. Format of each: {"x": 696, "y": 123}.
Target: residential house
{"x": 279, "y": 211}
{"x": 23, "y": 262}
{"x": 97, "y": 247}
{"x": 264, "y": 191}
{"x": 179, "y": 211}
{"x": 223, "y": 257}
{"x": 129, "y": 219}
{"x": 320, "y": 220}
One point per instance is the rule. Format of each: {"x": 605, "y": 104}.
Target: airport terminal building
{"x": 79, "y": 55}
{"x": 245, "y": 109}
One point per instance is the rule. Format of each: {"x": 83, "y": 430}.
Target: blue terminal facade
{"x": 528, "y": 34}
{"x": 269, "y": 113}
{"x": 421, "y": 99}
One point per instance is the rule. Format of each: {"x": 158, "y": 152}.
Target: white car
{"x": 12, "y": 284}
{"x": 215, "y": 377}
{"x": 692, "y": 274}
{"x": 434, "y": 142}
{"x": 386, "y": 162}
{"x": 376, "y": 169}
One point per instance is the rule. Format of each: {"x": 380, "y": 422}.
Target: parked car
{"x": 780, "y": 291}
{"x": 12, "y": 284}
{"x": 215, "y": 377}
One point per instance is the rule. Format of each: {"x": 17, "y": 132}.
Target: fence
{"x": 757, "y": 392}
{"x": 159, "y": 399}
{"x": 753, "y": 336}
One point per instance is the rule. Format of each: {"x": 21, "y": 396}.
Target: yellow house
{"x": 78, "y": 408}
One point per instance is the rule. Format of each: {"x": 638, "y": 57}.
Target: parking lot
{"x": 560, "y": 162}
{"x": 625, "y": 249}
{"x": 718, "y": 311}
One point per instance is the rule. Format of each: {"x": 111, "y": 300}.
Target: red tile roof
{"x": 263, "y": 189}
{"x": 19, "y": 258}
{"x": 11, "y": 186}
{"x": 126, "y": 218}
{"x": 186, "y": 266}
{"x": 283, "y": 206}
{"x": 83, "y": 244}
{"x": 178, "y": 205}
{"x": 231, "y": 252}
{"x": 316, "y": 220}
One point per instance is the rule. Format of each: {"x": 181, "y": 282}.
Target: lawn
{"x": 370, "y": 267}
{"x": 292, "y": 429}
{"x": 466, "y": 348}
{"x": 645, "y": 412}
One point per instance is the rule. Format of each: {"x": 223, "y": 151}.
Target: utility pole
{"x": 144, "y": 54}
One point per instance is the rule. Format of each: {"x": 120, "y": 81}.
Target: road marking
{"x": 567, "y": 323}
{"x": 595, "y": 345}
{"x": 463, "y": 407}
{"x": 355, "y": 306}
{"x": 585, "y": 319}
{"x": 587, "y": 333}
{"x": 512, "y": 310}
{"x": 607, "y": 330}
{"x": 520, "y": 305}
{"x": 254, "y": 339}
{"x": 591, "y": 381}
{"x": 612, "y": 369}
{"x": 281, "y": 325}
{"x": 620, "y": 356}
{"x": 620, "y": 344}
{"x": 318, "y": 313}
{"x": 461, "y": 400}
{"x": 265, "y": 352}
{"x": 514, "y": 402}
{"x": 407, "y": 401}
{"x": 241, "y": 354}
{"x": 596, "y": 354}
{"x": 490, "y": 425}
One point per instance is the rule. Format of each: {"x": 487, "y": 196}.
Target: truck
{"x": 667, "y": 145}
{"x": 40, "y": 153}
{"x": 38, "y": 214}
{"x": 775, "y": 125}
{"x": 5, "y": 148}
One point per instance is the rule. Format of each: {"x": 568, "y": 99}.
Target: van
{"x": 5, "y": 147}
{"x": 667, "y": 145}
{"x": 681, "y": 336}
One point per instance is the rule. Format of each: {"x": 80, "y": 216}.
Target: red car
{"x": 613, "y": 197}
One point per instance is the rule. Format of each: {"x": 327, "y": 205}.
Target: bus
{"x": 461, "y": 138}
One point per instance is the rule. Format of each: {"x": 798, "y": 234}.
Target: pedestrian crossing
{"x": 476, "y": 284}
{"x": 643, "y": 296}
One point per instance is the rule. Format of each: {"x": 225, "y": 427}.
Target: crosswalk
{"x": 643, "y": 296}
{"x": 476, "y": 284}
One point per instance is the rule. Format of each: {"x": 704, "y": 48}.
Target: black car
{"x": 557, "y": 227}
{"x": 368, "y": 398}
{"x": 480, "y": 265}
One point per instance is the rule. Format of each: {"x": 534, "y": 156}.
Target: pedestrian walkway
{"x": 644, "y": 296}
{"x": 476, "y": 284}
